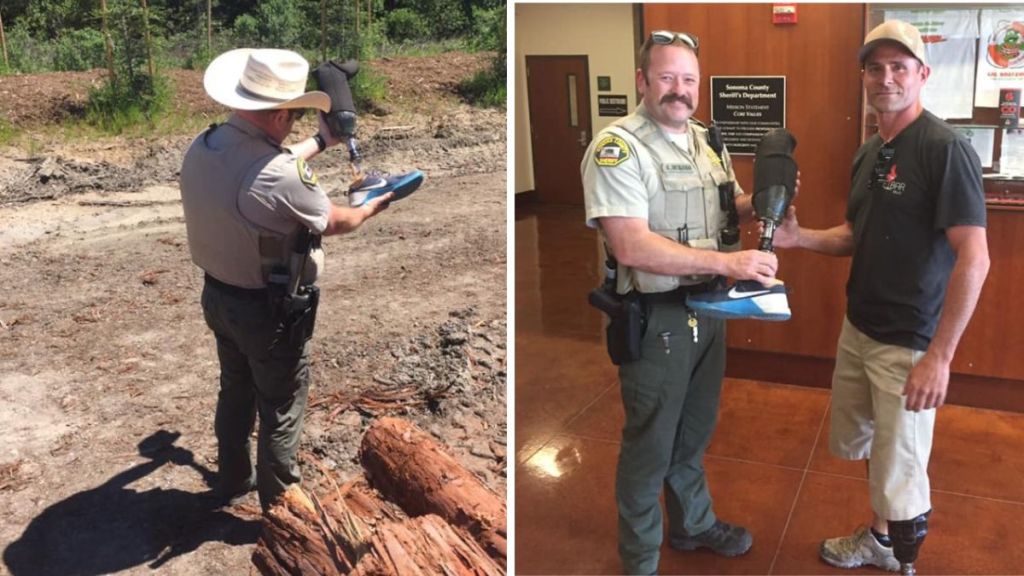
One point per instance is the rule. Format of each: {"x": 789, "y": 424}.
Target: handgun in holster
{"x": 293, "y": 305}
{"x": 626, "y": 318}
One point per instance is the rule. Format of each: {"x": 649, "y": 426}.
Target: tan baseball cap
{"x": 894, "y": 31}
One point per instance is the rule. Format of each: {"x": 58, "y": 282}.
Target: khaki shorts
{"x": 869, "y": 421}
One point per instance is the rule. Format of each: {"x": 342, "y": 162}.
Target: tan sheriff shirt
{"x": 245, "y": 200}
{"x": 634, "y": 169}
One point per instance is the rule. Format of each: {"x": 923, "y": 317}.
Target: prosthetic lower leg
{"x": 775, "y": 186}
{"x": 774, "y": 182}
{"x": 907, "y": 537}
{"x": 333, "y": 78}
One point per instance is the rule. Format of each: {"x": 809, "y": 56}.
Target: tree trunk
{"x": 422, "y": 546}
{"x": 410, "y": 469}
{"x": 209, "y": 29}
{"x": 296, "y": 539}
{"x": 3, "y": 39}
{"x": 108, "y": 44}
{"x": 149, "y": 43}
{"x": 323, "y": 30}
{"x": 354, "y": 532}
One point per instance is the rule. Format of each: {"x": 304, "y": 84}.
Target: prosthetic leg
{"x": 333, "y": 78}
{"x": 907, "y": 537}
{"x": 774, "y": 182}
{"x": 775, "y": 186}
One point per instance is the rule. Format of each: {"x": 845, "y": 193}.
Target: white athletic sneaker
{"x": 745, "y": 299}
{"x": 860, "y": 549}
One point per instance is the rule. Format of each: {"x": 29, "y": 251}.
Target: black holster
{"x": 299, "y": 315}
{"x": 293, "y": 315}
{"x": 626, "y": 323}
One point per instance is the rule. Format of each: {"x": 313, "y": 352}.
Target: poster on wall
{"x": 1001, "y": 57}
{"x": 949, "y": 45}
{"x": 981, "y": 138}
{"x": 1011, "y": 158}
{"x": 747, "y": 107}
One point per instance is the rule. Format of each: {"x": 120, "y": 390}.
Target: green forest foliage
{"x": 59, "y": 35}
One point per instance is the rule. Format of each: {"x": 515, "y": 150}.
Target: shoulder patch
{"x": 611, "y": 151}
{"x": 306, "y": 173}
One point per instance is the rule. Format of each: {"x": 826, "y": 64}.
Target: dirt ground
{"x": 108, "y": 374}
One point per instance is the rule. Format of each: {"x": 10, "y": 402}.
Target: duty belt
{"x": 235, "y": 290}
{"x": 677, "y": 296}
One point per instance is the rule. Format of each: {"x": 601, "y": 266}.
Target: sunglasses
{"x": 883, "y": 162}
{"x": 668, "y": 37}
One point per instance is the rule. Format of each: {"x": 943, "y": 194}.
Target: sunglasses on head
{"x": 883, "y": 162}
{"x": 668, "y": 37}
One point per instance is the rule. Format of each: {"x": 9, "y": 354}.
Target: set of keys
{"x": 691, "y": 321}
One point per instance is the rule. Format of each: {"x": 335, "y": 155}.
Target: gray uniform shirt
{"x": 245, "y": 199}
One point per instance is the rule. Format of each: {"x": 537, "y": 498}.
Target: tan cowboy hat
{"x": 262, "y": 79}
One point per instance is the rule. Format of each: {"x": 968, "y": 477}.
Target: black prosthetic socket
{"x": 333, "y": 78}
{"x": 774, "y": 181}
{"x": 907, "y": 537}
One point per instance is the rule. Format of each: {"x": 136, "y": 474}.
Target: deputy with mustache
{"x": 651, "y": 188}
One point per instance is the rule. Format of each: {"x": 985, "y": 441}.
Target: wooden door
{"x": 558, "y": 89}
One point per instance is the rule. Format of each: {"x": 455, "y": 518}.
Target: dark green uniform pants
{"x": 255, "y": 379}
{"x": 671, "y": 399}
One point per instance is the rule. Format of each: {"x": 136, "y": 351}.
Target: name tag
{"x": 678, "y": 169}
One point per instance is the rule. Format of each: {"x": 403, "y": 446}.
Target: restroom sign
{"x": 612, "y": 105}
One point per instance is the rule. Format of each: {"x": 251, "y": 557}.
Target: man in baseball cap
{"x": 254, "y": 214}
{"x": 915, "y": 227}
{"x": 896, "y": 31}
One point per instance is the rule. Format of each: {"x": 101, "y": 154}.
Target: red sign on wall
{"x": 1009, "y": 108}
{"x": 784, "y": 13}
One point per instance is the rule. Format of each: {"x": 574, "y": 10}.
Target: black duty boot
{"x": 721, "y": 538}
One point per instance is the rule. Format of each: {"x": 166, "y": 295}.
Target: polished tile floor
{"x": 768, "y": 464}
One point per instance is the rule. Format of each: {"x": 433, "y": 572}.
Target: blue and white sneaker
{"x": 745, "y": 299}
{"x": 376, "y": 184}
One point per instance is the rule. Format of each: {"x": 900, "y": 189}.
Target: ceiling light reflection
{"x": 554, "y": 462}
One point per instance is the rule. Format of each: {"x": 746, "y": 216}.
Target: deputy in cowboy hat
{"x": 247, "y": 199}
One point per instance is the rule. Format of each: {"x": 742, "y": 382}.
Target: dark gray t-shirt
{"x": 899, "y": 208}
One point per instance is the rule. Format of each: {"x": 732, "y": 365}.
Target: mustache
{"x": 684, "y": 98}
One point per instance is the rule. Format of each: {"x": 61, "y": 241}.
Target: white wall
{"x": 602, "y": 32}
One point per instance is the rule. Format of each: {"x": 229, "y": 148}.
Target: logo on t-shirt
{"x": 890, "y": 184}
{"x": 611, "y": 151}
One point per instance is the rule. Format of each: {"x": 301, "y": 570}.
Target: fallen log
{"x": 410, "y": 469}
{"x": 297, "y": 539}
{"x": 303, "y": 536}
{"x": 424, "y": 546}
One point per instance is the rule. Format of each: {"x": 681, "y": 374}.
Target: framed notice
{"x": 746, "y": 108}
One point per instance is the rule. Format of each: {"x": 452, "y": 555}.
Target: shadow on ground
{"x": 113, "y": 527}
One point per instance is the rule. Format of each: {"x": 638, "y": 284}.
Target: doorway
{"x": 558, "y": 89}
